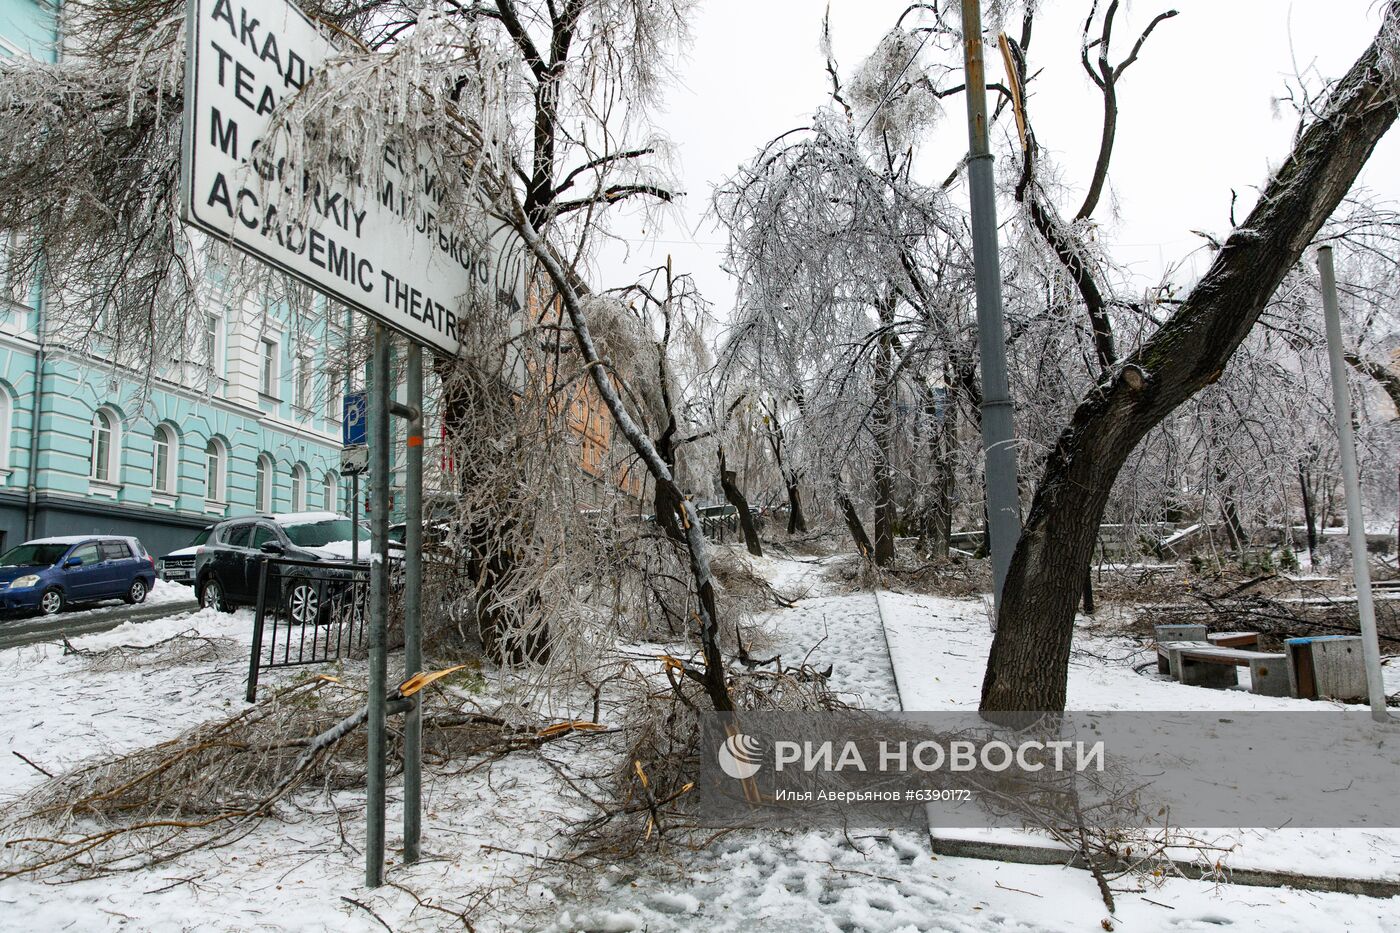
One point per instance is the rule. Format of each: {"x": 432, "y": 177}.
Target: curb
{"x": 885, "y": 635}
{"x": 1250, "y": 877}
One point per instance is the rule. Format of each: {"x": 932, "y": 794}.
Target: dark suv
{"x": 228, "y": 565}
{"x": 178, "y": 565}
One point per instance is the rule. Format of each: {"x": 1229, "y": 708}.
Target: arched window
{"x": 104, "y": 459}
{"x": 262, "y": 489}
{"x": 298, "y": 488}
{"x": 215, "y": 470}
{"x": 165, "y": 456}
{"x": 330, "y": 492}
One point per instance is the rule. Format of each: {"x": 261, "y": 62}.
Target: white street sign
{"x": 380, "y": 251}
{"x": 354, "y": 460}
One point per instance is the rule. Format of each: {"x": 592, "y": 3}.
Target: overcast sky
{"x": 1197, "y": 112}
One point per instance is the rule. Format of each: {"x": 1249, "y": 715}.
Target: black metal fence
{"x": 308, "y": 612}
{"x": 720, "y": 522}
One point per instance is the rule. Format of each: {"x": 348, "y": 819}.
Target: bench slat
{"x": 1235, "y": 656}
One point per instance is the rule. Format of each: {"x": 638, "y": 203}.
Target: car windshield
{"x": 319, "y": 534}
{"x": 33, "y": 555}
{"x": 201, "y": 537}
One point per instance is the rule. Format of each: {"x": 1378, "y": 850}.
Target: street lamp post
{"x": 998, "y": 429}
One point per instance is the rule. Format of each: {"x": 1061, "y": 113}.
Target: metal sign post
{"x": 381, "y": 407}
{"x": 413, "y": 610}
{"x": 1356, "y": 523}
{"x": 379, "y": 435}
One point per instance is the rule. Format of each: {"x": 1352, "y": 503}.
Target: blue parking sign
{"x": 355, "y": 422}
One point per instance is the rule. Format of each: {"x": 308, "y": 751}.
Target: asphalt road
{"x": 27, "y": 630}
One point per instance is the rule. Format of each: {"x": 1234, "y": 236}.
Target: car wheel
{"x": 51, "y": 602}
{"x": 137, "y": 592}
{"x": 212, "y": 596}
{"x": 304, "y": 603}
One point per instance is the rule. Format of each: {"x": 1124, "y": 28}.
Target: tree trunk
{"x": 729, "y": 482}
{"x": 885, "y": 510}
{"x": 1029, "y": 662}
{"x": 665, "y": 497}
{"x": 491, "y": 568}
{"x": 854, "y": 526}
{"x": 1230, "y": 511}
{"x": 984, "y": 548}
{"x": 797, "y": 519}
{"x": 1309, "y": 515}
{"x": 1088, "y": 591}
{"x": 939, "y": 526}
{"x": 667, "y": 509}
{"x": 1234, "y": 529}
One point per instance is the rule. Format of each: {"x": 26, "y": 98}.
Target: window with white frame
{"x": 165, "y": 455}
{"x": 262, "y": 487}
{"x": 213, "y": 343}
{"x": 301, "y": 388}
{"x": 298, "y": 488}
{"x": 215, "y": 466}
{"x": 333, "y": 400}
{"x": 267, "y": 368}
{"x": 105, "y": 456}
{"x": 330, "y": 492}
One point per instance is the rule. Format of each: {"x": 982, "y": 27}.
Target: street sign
{"x": 354, "y": 460}
{"x": 379, "y": 249}
{"x": 354, "y": 422}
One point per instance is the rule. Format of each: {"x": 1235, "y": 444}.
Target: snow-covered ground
{"x": 305, "y": 873}
{"x": 926, "y": 633}
{"x": 61, "y": 709}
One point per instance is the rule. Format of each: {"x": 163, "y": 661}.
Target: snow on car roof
{"x": 76, "y": 539}
{"x": 306, "y": 518}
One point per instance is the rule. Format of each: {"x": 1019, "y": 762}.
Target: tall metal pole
{"x": 998, "y": 431}
{"x": 413, "y": 609}
{"x": 379, "y": 434}
{"x": 1356, "y": 523}
{"x": 354, "y": 511}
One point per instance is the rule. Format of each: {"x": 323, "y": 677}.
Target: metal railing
{"x": 308, "y": 612}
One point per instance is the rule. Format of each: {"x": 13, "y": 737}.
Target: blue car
{"x": 49, "y": 573}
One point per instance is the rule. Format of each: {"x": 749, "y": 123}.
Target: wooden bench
{"x": 1211, "y": 666}
{"x": 1213, "y": 640}
{"x": 1234, "y": 639}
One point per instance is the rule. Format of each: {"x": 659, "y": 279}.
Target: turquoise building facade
{"x": 250, "y": 422}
